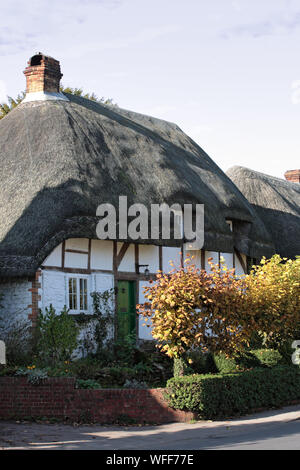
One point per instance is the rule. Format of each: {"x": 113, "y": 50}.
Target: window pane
{"x": 72, "y": 294}
{"x": 83, "y": 294}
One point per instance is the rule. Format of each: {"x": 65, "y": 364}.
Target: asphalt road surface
{"x": 272, "y": 430}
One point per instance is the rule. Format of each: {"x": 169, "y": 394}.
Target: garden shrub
{"x": 201, "y": 363}
{"x": 85, "y": 368}
{"x": 224, "y": 395}
{"x": 273, "y": 300}
{"x": 125, "y": 349}
{"x": 155, "y": 370}
{"x": 34, "y": 375}
{"x": 8, "y": 370}
{"x": 87, "y": 384}
{"x": 248, "y": 360}
{"x": 15, "y": 331}
{"x": 225, "y": 365}
{"x": 135, "y": 384}
{"x": 268, "y": 357}
{"x": 181, "y": 367}
{"x": 56, "y": 335}
{"x": 219, "y": 312}
{"x": 114, "y": 376}
{"x": 286, "y": 350}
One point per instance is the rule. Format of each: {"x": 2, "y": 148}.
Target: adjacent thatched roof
{"x": 60, "y": 160}
{"x": 277, "y": 203}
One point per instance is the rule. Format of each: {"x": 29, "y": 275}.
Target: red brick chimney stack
{"x": 42, "y": 74}
{"x": 293, "y": 176}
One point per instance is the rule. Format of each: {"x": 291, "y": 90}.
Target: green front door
{"x": 126, "y": 309}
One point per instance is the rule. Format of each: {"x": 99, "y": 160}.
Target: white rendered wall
{"x": 128, "y": 262}
{"x": 76, "y": 260}
{"x": 102, "y": 255}
{"x": 81, "y": 244}
{"x": 54, "y": 287}
{"x": 171, "y": 254}
{"x": 54, "y": 259}
{"x": 215, "y": 259}
{"x": 228, "y": 259}
{"x": 96, "y": 283}
{"x": 194, "y": 257}
{"x": 102, "y": 282}
{"x": 149, "y": 254}
{"x": 239, "y": 271}
{"x": 53, "y": 290}
{"x": 144, "y": 331}
{"x": 16, "y": 298}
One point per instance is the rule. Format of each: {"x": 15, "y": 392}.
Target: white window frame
{"x": 230, "y": 223}
{"x": 77, "y": 277}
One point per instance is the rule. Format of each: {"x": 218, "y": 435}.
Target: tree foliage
{"x": 5, "y": 108}
{"x": 88, "y": 96}
{"x": 273, "y": 299}
{"x": 193, "y": 308}
{"x": 219, "y": 312}
{"x": 12, "y": 103}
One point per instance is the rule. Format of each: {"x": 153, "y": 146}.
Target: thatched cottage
{"x": 276, "y": 202}
{"x": 63, "y": 155}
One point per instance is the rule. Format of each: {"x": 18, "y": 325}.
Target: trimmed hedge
{"x": 269, "y": 357}
{"x": 219, "y": 396}
{"x": 255, "y": 358}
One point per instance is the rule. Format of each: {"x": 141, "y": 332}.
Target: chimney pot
{"x": 42, "y": 74}
{"x": 293, "y": 176}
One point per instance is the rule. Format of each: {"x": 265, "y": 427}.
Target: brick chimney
{"x": 42, "y": 74}
{"x": 42, "y": 79}
{"x": 293, "y": 176}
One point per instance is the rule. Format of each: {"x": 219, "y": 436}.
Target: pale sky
{"x": 226, "y": 71}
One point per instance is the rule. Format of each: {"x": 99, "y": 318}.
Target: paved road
{"x": 278, "y": 429}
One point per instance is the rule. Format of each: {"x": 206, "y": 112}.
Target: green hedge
{"x": 202, "y": 363}
{"x": 219, "y": 396}
{"x": 269, "y": 357}
{"x": 249, "y": 359}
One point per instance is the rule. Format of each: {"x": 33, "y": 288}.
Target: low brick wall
{"x": 58, "y": 398}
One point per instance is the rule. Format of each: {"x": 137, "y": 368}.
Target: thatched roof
{"x": 60, "y": 160}
{"x": 277, "y": 203}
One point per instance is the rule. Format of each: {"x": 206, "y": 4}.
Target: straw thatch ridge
{"x": 60, "y": 160}
{"x": 277, "y": 203}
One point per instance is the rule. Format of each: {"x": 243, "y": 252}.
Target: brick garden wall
{"x": 58, "y": 398}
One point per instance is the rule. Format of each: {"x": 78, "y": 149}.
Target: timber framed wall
{"x": 103, "y": 263}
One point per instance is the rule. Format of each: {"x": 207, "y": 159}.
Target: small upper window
{"x": 229, "y": 222}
